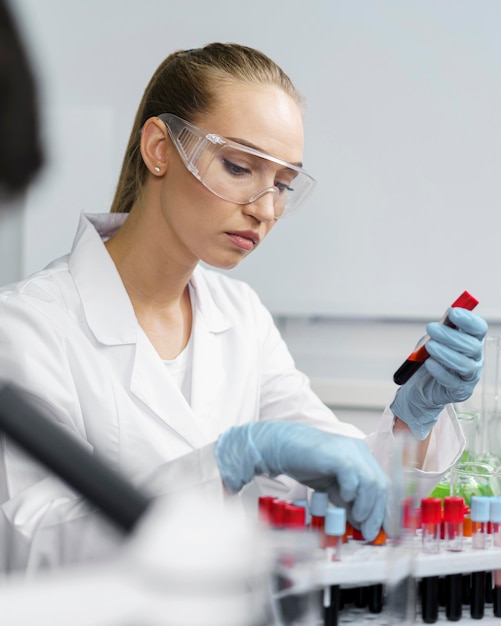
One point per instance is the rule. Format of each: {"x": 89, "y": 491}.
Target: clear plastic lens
{"x": 240, "y": 177}
{"x": 237, "y": 173}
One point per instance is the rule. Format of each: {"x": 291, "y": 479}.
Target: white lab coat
{"x": 69, "y": 336}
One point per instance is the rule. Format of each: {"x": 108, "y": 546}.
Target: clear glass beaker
{"x": 469, "y": 422}
{"x": 473, "y": 479}
{"x": 489, "y": 444}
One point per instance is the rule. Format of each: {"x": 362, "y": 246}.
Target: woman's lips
{"x": 244, "y": 240}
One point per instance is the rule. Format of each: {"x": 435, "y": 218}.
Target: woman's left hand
{"x": 449, "y": 374}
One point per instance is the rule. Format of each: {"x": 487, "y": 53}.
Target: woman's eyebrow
{"x": 251, "y": 145}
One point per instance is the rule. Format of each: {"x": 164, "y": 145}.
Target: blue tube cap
{"x": 479, "y": 508}
{"x": 335, "y": 521}
{"x": 319, "y": 503}
{"x": 495, "y": 514}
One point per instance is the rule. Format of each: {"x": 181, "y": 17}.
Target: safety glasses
{"x": 235, "y": 172}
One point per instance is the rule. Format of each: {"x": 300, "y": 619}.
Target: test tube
{"x": 453, "y": 535}
{"x": 304, "y": 503}
{"x": 479, "y": 513}
{"x": 431, "y": 516}
{"x": 453, "y": 523}
{"x": 495, "y": 518}
{"x": 277, "y": 513}
{"x": 264, "y": 508}
{"x": 318, "y": 507}
{"x": 294, "y": 516}
{"x": 420, "y": 354}
{"x": 429, "y": 599}
{"x": 334, "y": 528}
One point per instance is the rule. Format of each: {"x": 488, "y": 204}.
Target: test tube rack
{"x": 363, "y": 564}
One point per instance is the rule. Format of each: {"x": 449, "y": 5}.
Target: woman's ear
{"x": 155, "y": 146}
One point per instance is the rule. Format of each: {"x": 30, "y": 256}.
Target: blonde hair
{"x": 185, "y": 84}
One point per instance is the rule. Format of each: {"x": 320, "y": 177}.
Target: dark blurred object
{"x": 21, "y": 154}
{"x": 52, "y": 446}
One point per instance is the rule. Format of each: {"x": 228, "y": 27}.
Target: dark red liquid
{"x": 454, "y": 597}
{"x": 477, "y": 602}
{"x": 406, "y": 370}
{"x": 429, "y": 599}
{"x": 496, "y": 601}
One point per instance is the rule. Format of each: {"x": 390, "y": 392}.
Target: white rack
{"x": 365, "y": 564}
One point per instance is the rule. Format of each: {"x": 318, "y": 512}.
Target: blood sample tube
{"x": 429, "y": 599}
{"x": 334, "y": 528}
{"x": 348, "y": 533}
{"x": 431, "y": 515}
{"x": 304, "y": 503}
{"x": 294, "y": 516}
{"x": 374, "y": 593}
{"x": 479, "y": 513}
{"x": 495, "y": 518}
{"x": 420, "y": 354}
{"x": 453, "y": 523}
{"x": 410, "y": 516}
{"x": 357, "y": 535}
{"x": 277, "y": 513}
{"x": 318, "y": 507}
{"x": 453, "y": 535}
{"x": 264, "y": 508}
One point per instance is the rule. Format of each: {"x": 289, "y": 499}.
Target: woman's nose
{"x": 262, "y": 205}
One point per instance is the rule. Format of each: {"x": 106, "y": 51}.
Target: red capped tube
{"x": 294, "y": 516}
{"x": 453, "y": 523}
{"x": 431, "y": 517}
{"x": 414, "y": 361}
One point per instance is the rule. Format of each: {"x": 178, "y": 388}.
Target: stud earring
{"x": 157, "y": 169}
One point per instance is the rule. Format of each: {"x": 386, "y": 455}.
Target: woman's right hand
{"x": 343, "y": 467}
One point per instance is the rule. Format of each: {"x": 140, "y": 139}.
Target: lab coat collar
{"x": 111, "y": 318}
{"x": 107, "y": 306}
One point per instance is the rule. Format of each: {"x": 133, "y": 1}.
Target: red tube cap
{"x": 431, "y": 510}
{"x": 453, "y": 509}
{"x": 294, "y": 516}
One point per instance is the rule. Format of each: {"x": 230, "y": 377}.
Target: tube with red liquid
{"x": 431, "y": 517}
{"x": 420, "y": 354}
{"x": 453, "y": 534}
{"x": 453, "y": 523}
{"x": 479, "y": 513}
{"x": 495, "y": 519}
{"x": 335, "y": 527}
{"x": 318, "y": 507}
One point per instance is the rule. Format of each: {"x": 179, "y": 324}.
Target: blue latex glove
{"x": 341, "y": 466}
{"x": 449, "y": 375}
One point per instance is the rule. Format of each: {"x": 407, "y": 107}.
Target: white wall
{"x": 402, "y": 132}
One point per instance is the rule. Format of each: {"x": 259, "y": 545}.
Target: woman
{"x": 175, "y": 373}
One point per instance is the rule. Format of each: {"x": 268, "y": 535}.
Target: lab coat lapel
{"x": 152, "y": 384}
{"x": 208, "y": 371}
{"x": 210, "y": 325}
{"x": 111, "y": 319}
